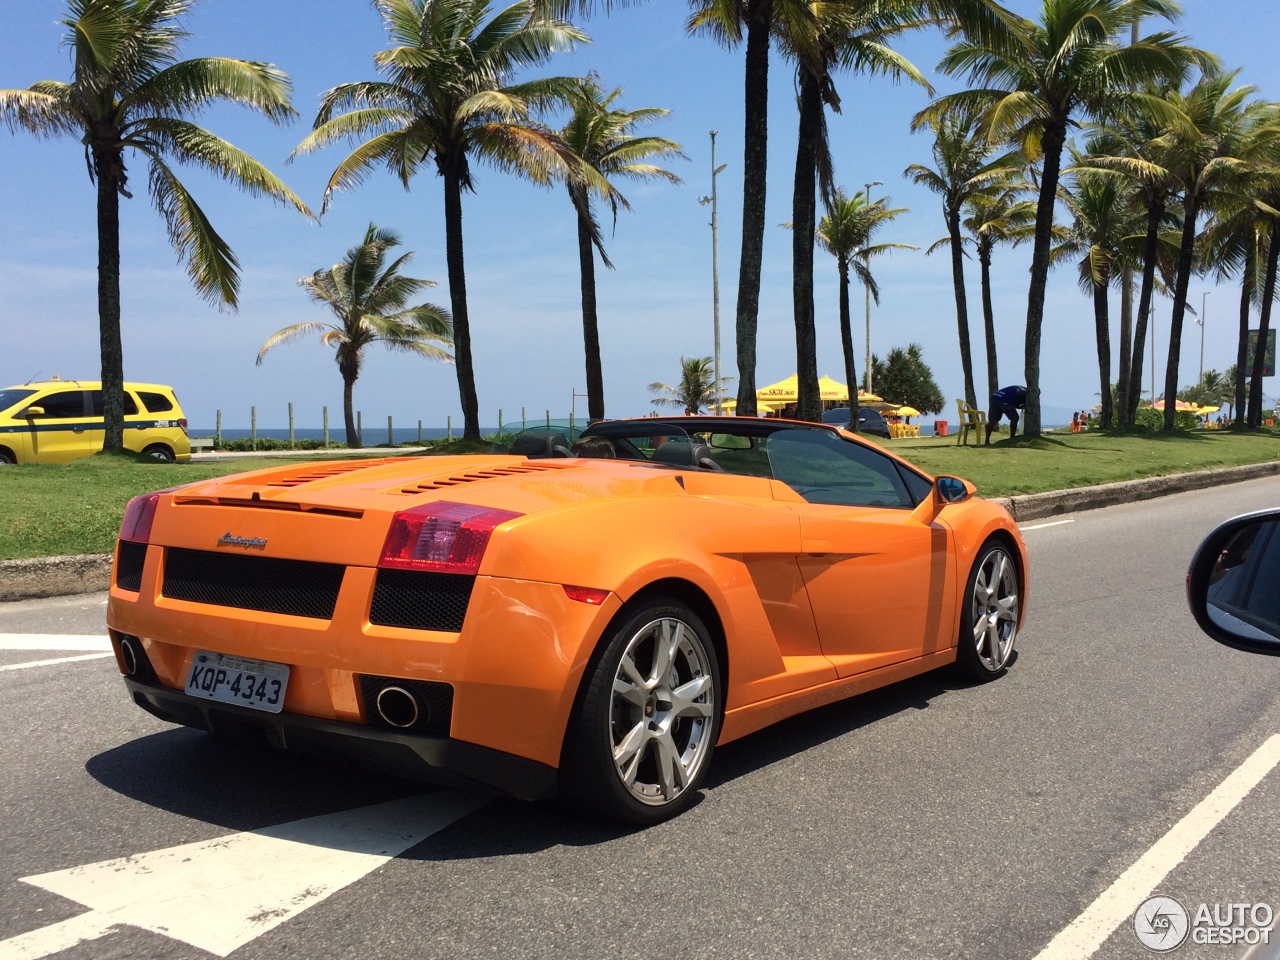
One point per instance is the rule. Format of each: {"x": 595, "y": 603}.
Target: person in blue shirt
{"x": 1006, "y": 402}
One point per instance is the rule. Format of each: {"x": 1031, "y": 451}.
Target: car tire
{"x": 159, "y": 452}
{"x": 989, "y": 617}
{"x": 640, "y": 740}
{"x": 7, "y": 459}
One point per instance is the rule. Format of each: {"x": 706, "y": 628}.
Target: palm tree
{"x": 1031, "y": 80}
{"x": 599, "y": 136}
{"x": 1224, "y": 132}
{"x": 369, "y": 301}
{"x": 1132, "y": 140}
{"x": 449, "y": 99}
{"x": 1102, "y": 220}
{"x": 697, "y": 387}
{"x": 129, "y": 92}
{"x": 961, "y": 172}
{"x": 822, "y": 38}
{"x": 845, "y": 233}
{"x": 995, "y": 218}
{"x": 726, "y": 22}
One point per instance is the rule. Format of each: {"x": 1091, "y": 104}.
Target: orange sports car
{"x": 588, "y": 621}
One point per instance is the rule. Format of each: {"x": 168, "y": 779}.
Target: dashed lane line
{"x": 49, "y": 663}
{"x": 1087, "y": 932}
{"x": 53, "y": 641}
{"x": 1051, "y": 523}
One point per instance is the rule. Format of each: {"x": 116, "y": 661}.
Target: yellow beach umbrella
{"x": 905, "y": 411}
{"x": 1209, "y": 409}
{"x": 829, "y": 389}
{"x": 784, "y": 391}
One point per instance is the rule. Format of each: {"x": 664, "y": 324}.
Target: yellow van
{"x": 61, "y": 420}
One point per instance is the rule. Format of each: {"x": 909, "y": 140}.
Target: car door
{"x": 61, "y": 432}
{"x": 879, "y": 580}
{"x": 134, "y": 424}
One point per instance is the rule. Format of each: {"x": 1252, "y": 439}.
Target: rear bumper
{"x": 440, "y": 760}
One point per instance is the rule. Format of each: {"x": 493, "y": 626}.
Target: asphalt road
{"x": 931, "y": 819}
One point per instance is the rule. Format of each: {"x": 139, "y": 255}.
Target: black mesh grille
{"x": 421, "y": 601}
{"x": 435, "y": 703}
{"x": 130, "y": 557}
{"x": 296, "y": 587}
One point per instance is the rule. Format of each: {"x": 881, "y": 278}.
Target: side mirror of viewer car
{"x": 1233, "y": 584}
{"x": 952, "y": 490}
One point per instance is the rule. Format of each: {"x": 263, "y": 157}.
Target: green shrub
{"x": 1149, "y": 418}
{"x": 241, "y": 444}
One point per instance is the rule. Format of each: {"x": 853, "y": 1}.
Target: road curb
{"x": 66, "y": 576}
{"x": 1037, "y": 506}
{"x": 39, "y": 577}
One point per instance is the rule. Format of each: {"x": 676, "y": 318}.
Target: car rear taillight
{"x": 182, "y": 422}
{"x": 138, "y": 515}
{"x": 442, "y": 537}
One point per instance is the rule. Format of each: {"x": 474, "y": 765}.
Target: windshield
{"x": 11, "y": 398}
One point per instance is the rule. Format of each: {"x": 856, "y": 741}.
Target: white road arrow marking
{"x": 220, "y": 894}
{"x": 52, "y": 641}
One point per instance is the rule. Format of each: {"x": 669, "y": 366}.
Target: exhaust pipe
{"x": 129, "y": 656}
{"x": 398, "y": 707}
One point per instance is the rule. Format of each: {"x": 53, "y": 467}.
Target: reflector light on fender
{"x": 443, "y": 537}
{"x": 589, "y": 595}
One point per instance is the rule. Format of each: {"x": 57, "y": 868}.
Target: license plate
{"x": 249, "y": 683}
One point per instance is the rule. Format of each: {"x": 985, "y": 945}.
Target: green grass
{"x": 77, "y": 507}
{"x": 1061, "y": 460}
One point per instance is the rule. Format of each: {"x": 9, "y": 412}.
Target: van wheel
{"x": 7, "y": 459}
{"x": 158, "y": 451}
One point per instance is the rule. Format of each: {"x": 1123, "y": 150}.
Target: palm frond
{"x": 192, "y": 144}
{"x": 42, "y": 113}
{"x": 295, "y": 332}
{"x": 187, "y": 87}
{"x": 212, "y": 267}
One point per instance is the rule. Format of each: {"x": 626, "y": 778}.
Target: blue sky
{"x": 522, "y": 270}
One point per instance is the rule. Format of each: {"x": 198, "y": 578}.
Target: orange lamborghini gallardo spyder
{"x": 588, "y": 621}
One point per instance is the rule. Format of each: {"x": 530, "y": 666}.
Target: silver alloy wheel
{"x": 662, "y": 711}
{"x": 995, "y": 609}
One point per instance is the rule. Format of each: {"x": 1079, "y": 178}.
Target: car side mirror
{"x": 953, "y": 489}
{"x": 34, "y": 412}
{"x": 1233, "y": 584}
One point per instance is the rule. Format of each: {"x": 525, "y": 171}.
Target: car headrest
{"x": 676, "y": 452}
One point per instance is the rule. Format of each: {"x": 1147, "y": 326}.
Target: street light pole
{"x": 715, "y": 267}
{"x": 1203, "y": 317}
{"x": 866, "y": 258}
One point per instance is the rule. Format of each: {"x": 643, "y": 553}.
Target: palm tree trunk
{"x": 1102, "y": 328}
{"x": 846, "y": 344}
{"x": 1264, "y": 326}
{"x": 348, "y": 411}
{"x": 458, "y": 302}
{"x": 107, "y": 167}
{"x": 1242, "y": 346}
{"x": 1055, "y": 135}
{"x": 1126, "y": 342}
{"x": 1155, "y": 214}
{"x": 754, "y": 168}
{"x": 804, "y": 202}
{"x": 1191, "y": 213}
{"x": 590, "y": 323}
{"x": 962, "y": 303}
{"x": 988, "y": 315}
